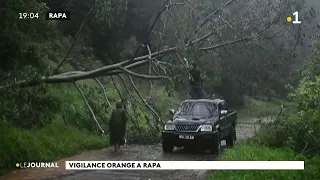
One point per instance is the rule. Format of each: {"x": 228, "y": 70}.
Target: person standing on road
{"x": 195, "y": 82}
{"x": 117, "y": 127}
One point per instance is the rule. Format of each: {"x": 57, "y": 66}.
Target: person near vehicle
{"x": 117, "y": 127}
{"x": 195, "y": 82}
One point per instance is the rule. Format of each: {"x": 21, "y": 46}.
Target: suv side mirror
{"x": 223, "y": 112}
{"x": 171, "y": 112}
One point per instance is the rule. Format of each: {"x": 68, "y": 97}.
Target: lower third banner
{"x": 183, "y": 165}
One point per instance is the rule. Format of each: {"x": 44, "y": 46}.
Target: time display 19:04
{"x": 28, "y": 15}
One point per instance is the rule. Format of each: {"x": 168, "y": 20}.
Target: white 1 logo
{"x": 296, "y": 18}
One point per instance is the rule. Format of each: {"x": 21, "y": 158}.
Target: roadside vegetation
{"x": 293, "y": 136}
{"x": 49, "y": 122}
{"x": 249, "y": 152}
{"x": 53, "y": 142}
{"x": 69, "y": 129}
{"x": 259, "y": 108}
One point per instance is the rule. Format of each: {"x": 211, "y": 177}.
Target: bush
{"x": 74, "y": 110}
{"x": 251, "y": 152}
{"x": 28, "y": 108}
{"x": 299, "y": 130}
{"x": 53, "y": 142}
{"x": 307, "y": 95}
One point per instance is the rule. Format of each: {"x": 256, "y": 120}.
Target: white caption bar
{"x": 182, "y": 165}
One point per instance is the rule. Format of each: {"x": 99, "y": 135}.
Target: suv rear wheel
{"x": 166, "y": 147}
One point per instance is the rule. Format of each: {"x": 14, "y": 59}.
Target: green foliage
{"x": 312, "y": 67}
{"x": 21, "y": 52}
{"x": 102, "y": 30}
{"x": 26, "y": 54}
{"x": 141, "y": 132}
{"x": 301, "y": 129}
{"x": 49, "y": 124}
{"x": 259, "y": 153}
{"x": 297, "y": 129}
{"x": 25, "y": 108}
{"x": 73, "y": 109}
{"x": 55, "y": 141}
{"x": 307, "y": 95}
{"x": 230, "y": 91}
{"x": 166, "y": 102}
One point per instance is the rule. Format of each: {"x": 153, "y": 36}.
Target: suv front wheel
{"x": 216, "y": 145}
{"x": 166, "y": 147}
{"x": 231, "y": 139}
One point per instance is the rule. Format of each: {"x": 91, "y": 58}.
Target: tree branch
{"x": 163, "y": 8}
{"x": 126, "y": 88}
{"x": 90, "y": 109}
{"x": 103, "y": 71}
{"x": 144, "y": 101}
{"x": 75, "y": 38}
{"x": 125, "y": 108}
{"x": 142, "y": 76}
{"x": 226, "y": 43}
{"x": 205, "y": 20}
{"x": 104, "y": 92}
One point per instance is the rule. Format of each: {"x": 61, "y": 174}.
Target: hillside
{"x": 59, "y": 80}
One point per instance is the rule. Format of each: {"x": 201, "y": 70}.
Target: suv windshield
{"x": 197, "y": 110}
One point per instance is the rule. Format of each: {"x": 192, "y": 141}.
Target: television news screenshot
{"x": 159, "y": 89}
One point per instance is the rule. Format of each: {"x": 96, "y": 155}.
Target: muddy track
{"x": 133, "y": 152}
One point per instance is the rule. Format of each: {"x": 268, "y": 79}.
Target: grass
{"x": 262, "y": 108}
{"x": 69, "y": 131}
{"x": 53, "y": 142}
{"x": 248, "y": 152}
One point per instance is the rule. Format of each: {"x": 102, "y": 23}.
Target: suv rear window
{"x": 197, "y": 109}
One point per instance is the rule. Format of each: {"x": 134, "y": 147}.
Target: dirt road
{"x": 245, "y": 130}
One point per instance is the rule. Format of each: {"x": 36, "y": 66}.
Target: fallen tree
{"x": 190, "y": 28}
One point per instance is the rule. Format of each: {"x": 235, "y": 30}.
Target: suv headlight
{"x": 206, "y": 128}
{"x": 169, "y": 127}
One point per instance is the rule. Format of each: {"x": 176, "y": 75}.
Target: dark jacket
{"x": 117, "y": 126}
{"x": 196, "y": 79}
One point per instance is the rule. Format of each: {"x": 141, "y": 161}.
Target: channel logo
{"x": 37, "y": 165}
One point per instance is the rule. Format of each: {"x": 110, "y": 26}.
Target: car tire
{"x": 231, "y": 139}
{"x": 190, "y": 148}
{"x": 216, "y": 146}
{"x": 166, "y": 147}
